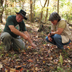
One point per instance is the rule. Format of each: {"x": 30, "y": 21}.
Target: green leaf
{"x": 27, "y": 70}
{"x": 61, "y": 59}
{"x": 15, "y": 54}
{"x": 2, "y": 54}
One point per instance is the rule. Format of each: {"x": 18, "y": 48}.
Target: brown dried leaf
{"x": 36, "y": 68}
{"x": 30, "y": 60}
{"x": 12, "y": 70}
{"x": 1, "y": 65}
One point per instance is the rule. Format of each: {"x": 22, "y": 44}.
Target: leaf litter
{"x": 45, "y": 58}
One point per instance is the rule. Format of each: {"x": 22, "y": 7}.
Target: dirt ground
{"x": 45, "y": 58}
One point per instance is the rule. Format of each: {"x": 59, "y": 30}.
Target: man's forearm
{"x": 55, "y": 32}
{"x": 29, "y": 39}
{"x": 15, "y": 31}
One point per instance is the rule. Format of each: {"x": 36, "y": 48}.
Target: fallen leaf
{"x": 50, "y": 58}
{"x": 44, "y": 62}
{"x": 37, "y": 59}
{"x": 69, "y": 61}
{"x": 24, "y": 52}
{"x": 24, "y": 64}
{"x": 12, "y": 70}
{"x": 64, "y": 64}
{"x": 29, "y": 47}
{"x": 49, "y": 51}
{"x": 36, "y": 68}
{"x": 69, "y": 43}
{"x": 6, "y": 54}
{"x": 68, "y": 47}
{"x": 21, "y": 69}
{"x": 1, "y": 65}
{"x": 30, "y": 60}
{"x": 55, "y": 62}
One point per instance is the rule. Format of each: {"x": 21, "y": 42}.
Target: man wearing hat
{"x": 60, "y": 34}
{"x": 14, "y": 28}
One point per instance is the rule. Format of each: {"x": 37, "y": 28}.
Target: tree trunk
{"x": 42, "y": 11}
{"x": 1, "y": 10}
{"x": 31, "y": 14}
{"x": 23, "y": 4}
{"x": 41, "y": 26}
{"x": 47, "y": 11}
{"x": 57, "y": 6}
{"x": 20, "y": 3}
{"x": 34, "y": 3}
{"x": 34, "y": 6}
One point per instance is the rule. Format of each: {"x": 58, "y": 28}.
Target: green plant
{"x": 2, "y": 55}
{"x": 61, "y": 59}
{"x": 0, "y": 30}
{"x": 11, "y": 10}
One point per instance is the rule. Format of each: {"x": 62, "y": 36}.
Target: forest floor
{"x": 44, "y": 58}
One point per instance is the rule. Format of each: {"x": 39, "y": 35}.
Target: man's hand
{"x": 33, "y": 45}
{"x": 29, "y": 39}
{"x": 50, "y": 39}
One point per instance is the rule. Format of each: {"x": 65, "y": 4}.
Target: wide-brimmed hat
{"x": 23, "y": 13}
{"x": 54, "y": 16}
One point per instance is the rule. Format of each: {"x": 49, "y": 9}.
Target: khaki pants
{"x": 8, "y": 40}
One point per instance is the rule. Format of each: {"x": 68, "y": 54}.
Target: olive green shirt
{"x": 11, "y": 20}
{"x": 66, "y": 34}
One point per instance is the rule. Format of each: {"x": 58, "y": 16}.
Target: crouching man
{"x": 14, "y": 28}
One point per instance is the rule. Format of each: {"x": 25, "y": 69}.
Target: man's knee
{"x": 19, "y": 45}
{"x": 5, "y": 35}
{"x": 22, "y": 46}
{"x": 56, "y": 37}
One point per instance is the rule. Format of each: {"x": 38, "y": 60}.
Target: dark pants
{"x": 7, "y": 39}
{"x": 57, "y": 40}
